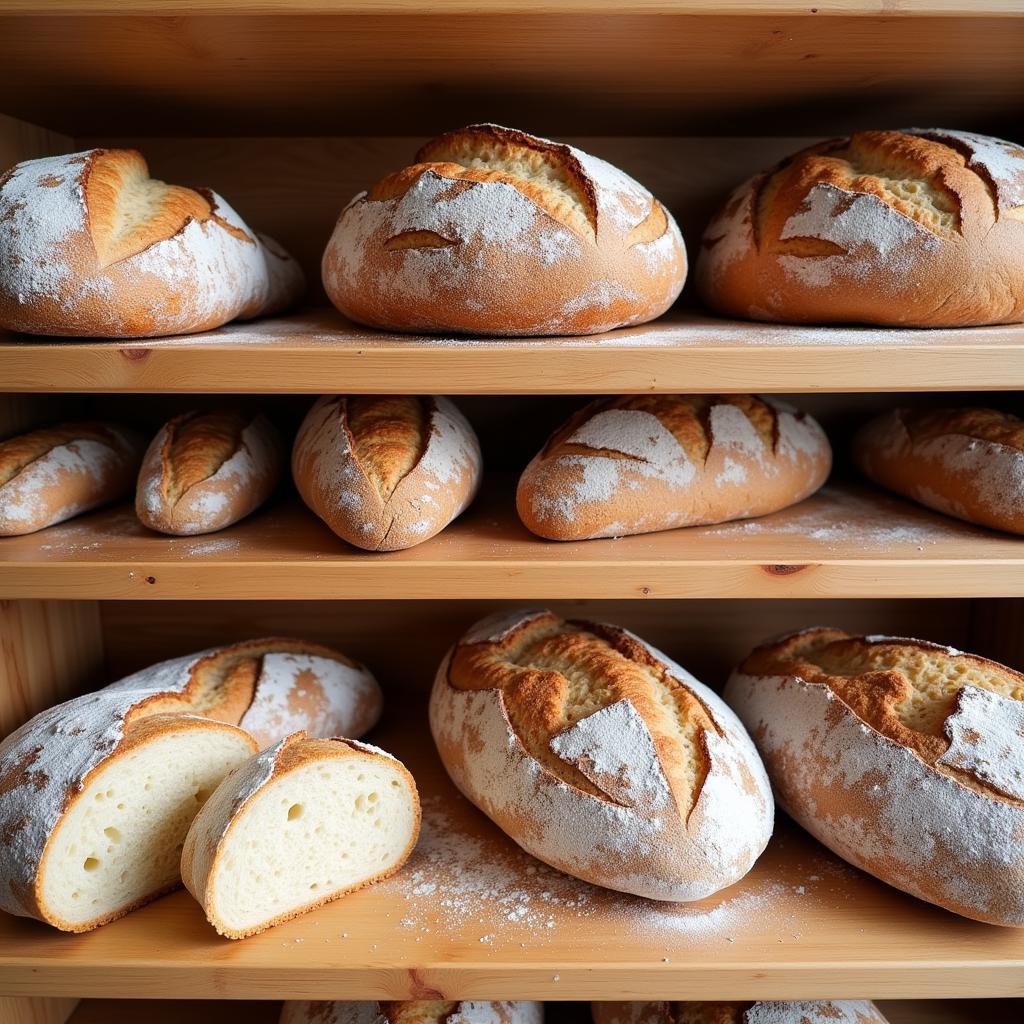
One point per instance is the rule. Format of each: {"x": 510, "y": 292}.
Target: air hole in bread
{"x": 90, "y": 864}
{"x": 295, "y": 811}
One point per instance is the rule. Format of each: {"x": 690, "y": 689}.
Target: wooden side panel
{"x": 35, "y": 1011}
{"x": 20, "y": 140}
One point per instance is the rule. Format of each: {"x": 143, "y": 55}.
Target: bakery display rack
{"x": 290, "y": 109}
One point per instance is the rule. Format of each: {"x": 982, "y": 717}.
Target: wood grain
{"x": 22, "y": 1010}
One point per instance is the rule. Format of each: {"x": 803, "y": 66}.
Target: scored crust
{"x": 600, "y": 756}
{"x": 639, "y": 463}
{"x": 967, "y": 463}
{"x": 827, "y": 1011}
{"x": 919, "y": 228}
{"x": 495, "y": 231}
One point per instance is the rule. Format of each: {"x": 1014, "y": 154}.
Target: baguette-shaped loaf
{"x": 386, "y": 472}
{"x": 50, "y": 475}
{"x": 640, "y": 463}
{"x": 904, "y": 757}
{"x": 90, "y": 244}
{"x": 98, "y": 792}
{"x": 204, "y": 471}
{"x": 968, "y": 463}
{"x": 918, "y": 228}
{"x": 821, "y": 1011}
{"x": 304, "y": 822}
{"x": 600, "y": 756}
{"x": 493, "y": 231}
{"x": 414, "y": 1011}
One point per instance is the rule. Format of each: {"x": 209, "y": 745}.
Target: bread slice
{"x": 414, "y": 1011}
{"x": 303, "y": 823}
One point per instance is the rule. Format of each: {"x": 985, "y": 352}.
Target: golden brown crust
{"x": 17, "y": 452}
{"x": 389, "y": 434}
{"x": 983, "y": 424}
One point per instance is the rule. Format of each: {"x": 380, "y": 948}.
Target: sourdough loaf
{"x": 920, "y": 228}
{"x": 904, "y": 757}
{"x": 99, "y": 791}
{"x": 968, "y": 463}
{"x": 414, "y": 1011}
{"x": 821, "y": 1011}
{"x": 639, "y": 463}
{"x": 600, "y": 756}
{"x": 493, "y": 231}
{"x": 386, "y": 471}
{"x": 52, "y": 474}
{"x": 304, "y": 822}
{"x": 204, "y": 471}
{"x": 90, "y": 244}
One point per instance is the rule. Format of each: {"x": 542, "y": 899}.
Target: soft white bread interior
{"x": 303, "y": 823}
{"x": 818, "y": 1011}
{"x": 414, "y": 1011}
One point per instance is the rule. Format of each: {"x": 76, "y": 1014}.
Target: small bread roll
{"x": 299, "y": 825}
{"x": 90, "y": 244}
{"x": 414, "y": 1011}
{"x": 600, "y": 756}
{"x": 385, "y": 472}
{"x": 903, "y": 757}
{"x": 50, "y": 475}
{"x": 640, "y": 463}
{"x": 820, "y": 1011}
{"x": 493, "y": 231}
{"x": 204, "y": 471}
{"x": 919, "y": 228}
{"x": 968, "y": 463}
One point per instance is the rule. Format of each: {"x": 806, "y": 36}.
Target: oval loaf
{"x": 493, "y": 231}
{"x": 304, "y": 822}
{"x": 822, "y": 1011}
{"x": 204, "y": 471}
{"x": 968, "y": 463}
{"x": 99, "y": 791}
{"x": 56, "y": 473}
{"x": 920, "y": 228}
{"x": 414, "y": 1011}
{"x": 386, "y": 471}
{"x": 90, "y": 244}
{"x": 600, "y": 756}
{"x": 640, "y": 463}
{"x": 904, "y": 757}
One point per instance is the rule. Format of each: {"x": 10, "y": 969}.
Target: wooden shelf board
{"x": 472, "y": 916}
{"x": 846, "y": 541}
{"x": 684, "y": 351}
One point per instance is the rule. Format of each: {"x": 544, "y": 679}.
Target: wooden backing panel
{"x": 846, "y": 541}
{"x": 424, "y": 71}
{"x": 21, "y": 1010}
{"x": 20, "y": 140}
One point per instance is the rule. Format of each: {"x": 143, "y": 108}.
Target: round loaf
{"x": 600, "y": 756}
{"x": 386, "y": 472}
{"x": 204, "y": 471}
{"x": 968, "y": 463}
{"x": 921, "y": 228}
{"x": 824, "y": 1011}
{"x": 493, "y": 231}
{"x": 90, "y": 244}
{"x": 414, "y": 1011}
{"x": 904, "y": 757}
{"x": 50, "y": 475}
{"x": 640, "y": 463}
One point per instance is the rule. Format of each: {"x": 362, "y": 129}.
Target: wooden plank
{"x": 847, "y": 541}
{"x": 20, "y": 1010}
{"x": 684, "y": 351}
{"x": 472, "y": 916}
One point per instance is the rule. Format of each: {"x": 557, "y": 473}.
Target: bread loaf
{"x": 639, "y": 463}
{"x": 904, "y": 757}
{"x": 50, "y": 475}
{"x": 493, "y": 231}
{"x": 600, "y": 756}
{"x": 90, "y": 244}
{"x": 968, "y": 463}
{"x": 821, "y": 1011}
{"x": 414, "y": 1011}
{"x": 204, "y": 471}
{"x": 921, "y": 228}
{"x": 304, "y": 822}
{"x": 99, "y": 792}
{"x": 386, "y": 471}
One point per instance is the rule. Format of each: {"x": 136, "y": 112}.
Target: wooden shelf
{"x": 846, "y": 541}
{"x": 471, "y": 916}
{"x": 684, "y": 351}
